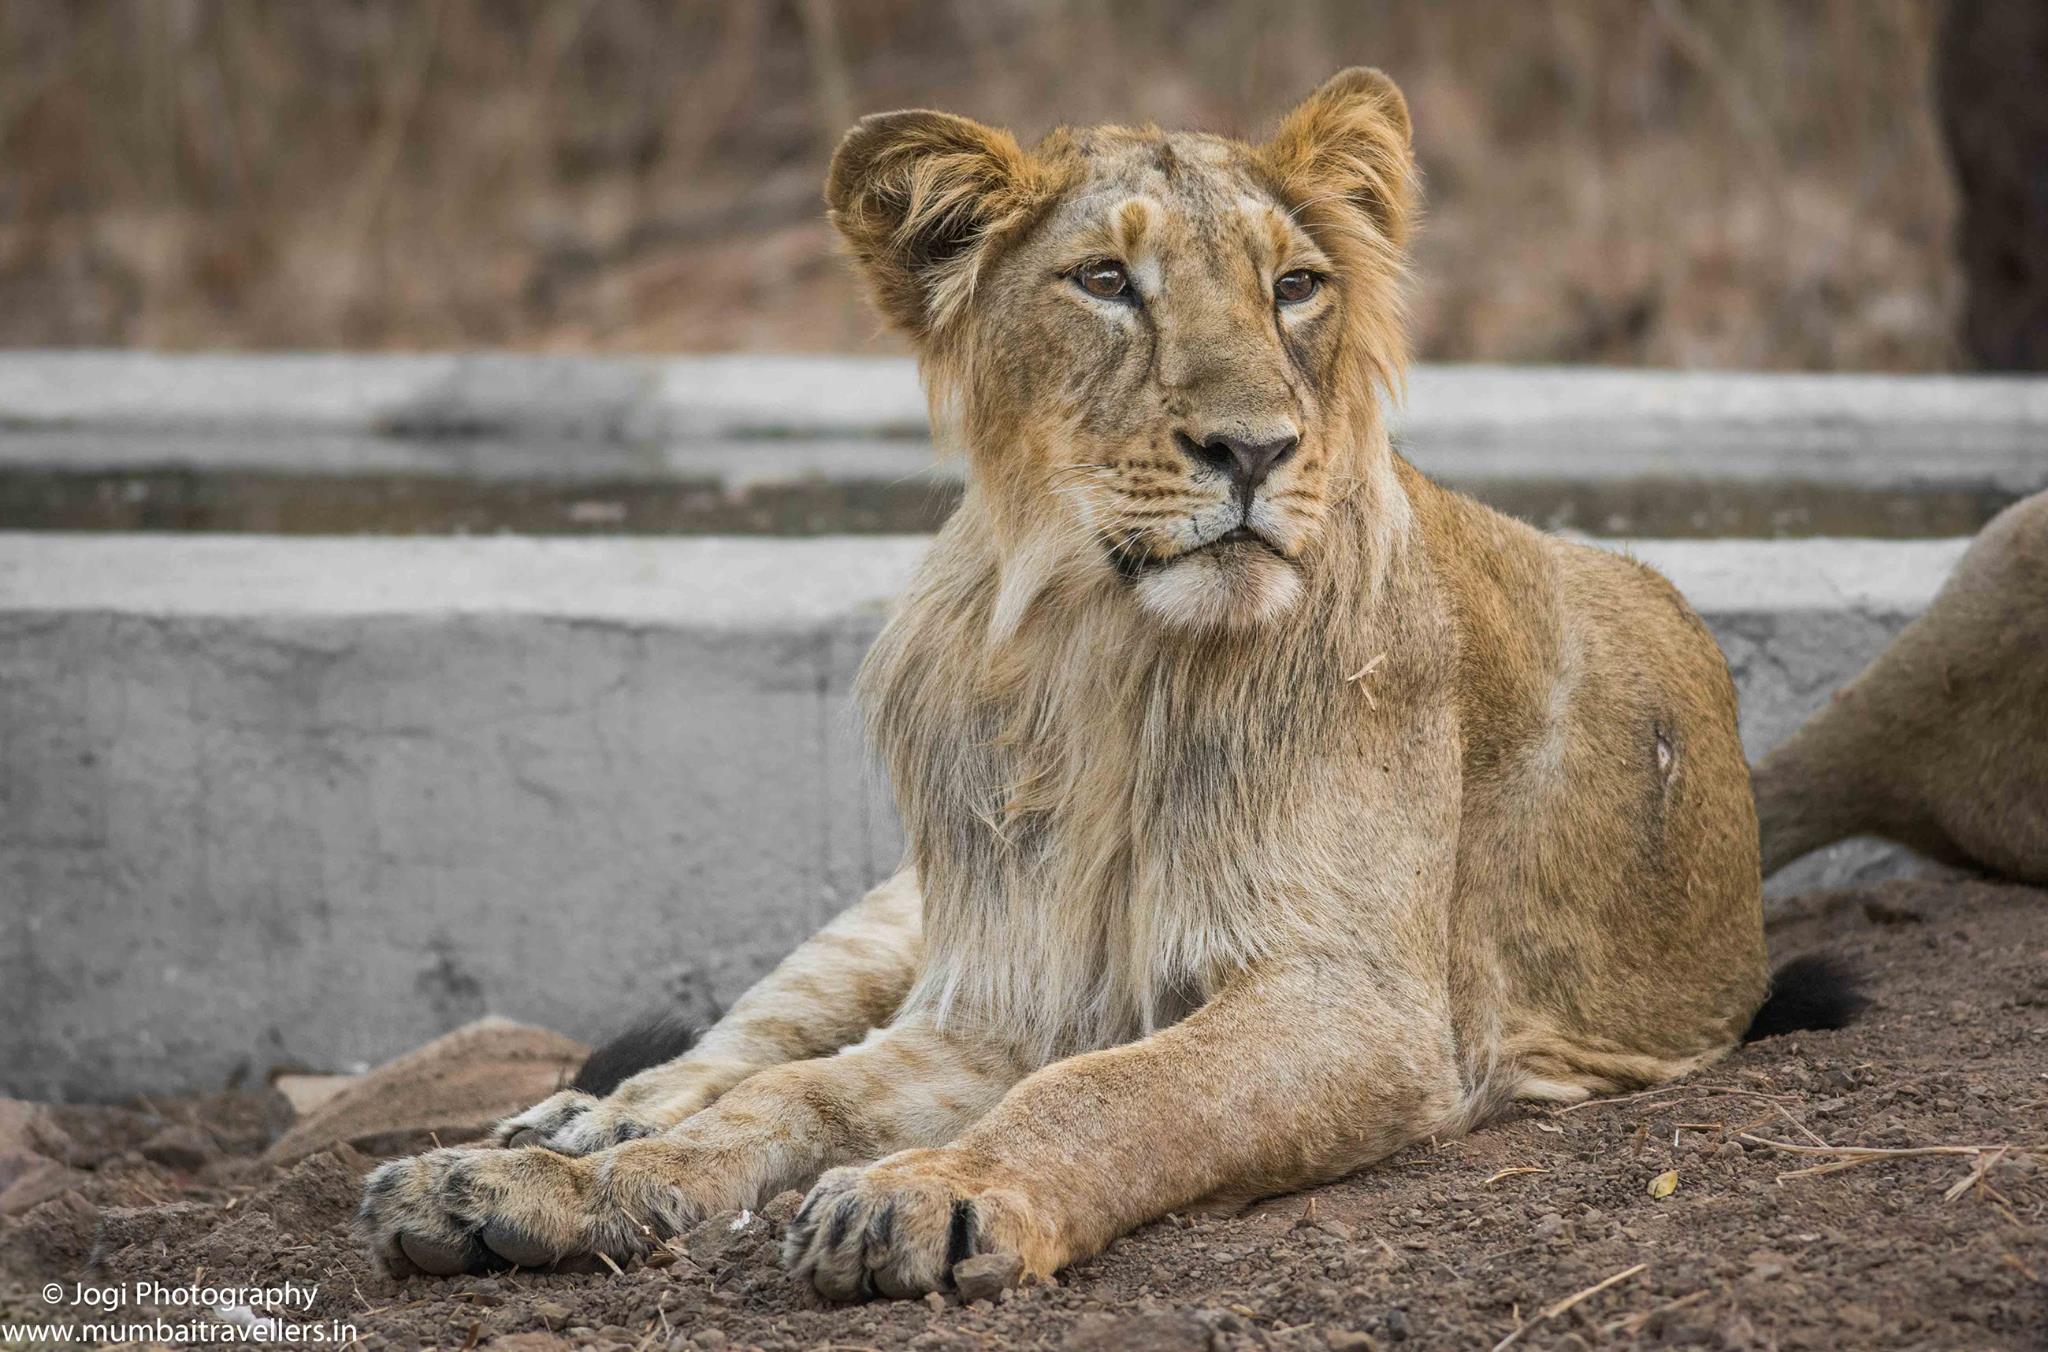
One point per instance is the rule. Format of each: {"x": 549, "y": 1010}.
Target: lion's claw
{"x": 898, "y": 1228}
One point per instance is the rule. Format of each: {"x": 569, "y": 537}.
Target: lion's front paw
{"x": 453, "y": 1211}
{"x": 574, "y": 1123}
{"x": 898, "y": 1228}
{"x": 549, "y": 1123}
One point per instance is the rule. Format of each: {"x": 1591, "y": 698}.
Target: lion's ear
{"x": 1350, "y": 141}
{"x": 916, "y": 194}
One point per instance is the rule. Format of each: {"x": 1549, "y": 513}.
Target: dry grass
{"x": 1638, "y": 181}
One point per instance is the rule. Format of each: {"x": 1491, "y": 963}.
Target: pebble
{"x": 178, "y": 1148}
{"x": 985, "y": 1274}
{"x": 782, "y": 1208}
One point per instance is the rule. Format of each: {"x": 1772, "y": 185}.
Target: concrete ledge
{"x": 467, "y": 443}
{"x": 309, "y": 803}
{"x": 1457, "y": 420}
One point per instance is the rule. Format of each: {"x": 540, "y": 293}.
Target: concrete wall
{"x": 1508, "y": 419}
{"x": 308, "y": 803}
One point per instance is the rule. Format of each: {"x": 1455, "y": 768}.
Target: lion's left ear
{"x": 918, "y": 195}
{"x": 1350, "y": 141}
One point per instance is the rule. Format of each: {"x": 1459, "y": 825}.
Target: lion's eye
{"x": 1105, "y": 279}
{"x": 1292, "y": 288}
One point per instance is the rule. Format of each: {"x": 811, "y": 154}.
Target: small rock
{"x": 1350, "y": 1340}
{"x": 782, "y": 1207}
{"x": 30, "y": 1180}
{"x": 1338, "y": 1229}
{"x": 1764, "y": 1264}
{"x": 307, "y": 1094}
{"x": 553, "y": 1311}
{"x": 710, "y": 1340}
{"x": 450, "y": 1090}
{"x": 161, "y": 1227}
{"x": 935, "y": 1300}
{"x": 177, "y": 1147}
{"x": 719, "y": 1239}
{"x": 982, "y": 1276}
{"x": 1548, "y": 1226}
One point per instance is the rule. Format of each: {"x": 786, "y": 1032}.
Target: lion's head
{"x": 1160, "y": 351}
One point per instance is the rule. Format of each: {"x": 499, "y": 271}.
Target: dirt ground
{"x": 1539, "y": 1231}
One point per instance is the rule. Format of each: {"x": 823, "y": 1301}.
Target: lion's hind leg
{"x": 1549, "y": 1066}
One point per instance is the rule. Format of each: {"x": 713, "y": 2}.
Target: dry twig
{"x": 1697, "y": 1090}
{"x": 1850, "y": 1156}
{"x": 1553, "y": 1311}
{"x": 1970, "y": 1180}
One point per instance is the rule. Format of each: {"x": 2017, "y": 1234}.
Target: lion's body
{"x": 1268, "y": 807}
{"x": 1458, "y": 751}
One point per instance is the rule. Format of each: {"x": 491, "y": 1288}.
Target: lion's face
{"x": 1159, "y": 349}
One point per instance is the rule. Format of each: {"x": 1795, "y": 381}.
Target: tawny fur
{"x": 1236, "y": 861}
{"x": 1942, "y": 742}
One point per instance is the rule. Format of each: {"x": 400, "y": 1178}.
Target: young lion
{"x": 1269, "y": 807}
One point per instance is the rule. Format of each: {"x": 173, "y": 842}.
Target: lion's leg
{"x": 1939, "y": 743}
{"x": 468, "y": 1210}
{"x": 843, "y": 981}
{"x": 1289, "y": 1077}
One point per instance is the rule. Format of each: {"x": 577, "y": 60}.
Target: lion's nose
{"x": 1246, "y": 461}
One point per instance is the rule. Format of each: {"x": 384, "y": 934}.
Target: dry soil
{"x": 1492, "y": 1240}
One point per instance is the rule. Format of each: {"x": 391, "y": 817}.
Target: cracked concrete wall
{"x": 309, "y": 803}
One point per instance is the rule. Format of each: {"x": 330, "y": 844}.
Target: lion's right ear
{"x": 1350, "y": 142}
{"x": 917, "y": 194}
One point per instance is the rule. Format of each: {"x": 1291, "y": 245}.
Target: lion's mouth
{"x": 1237, "y": 535}
{"x": 1133, "y": 565}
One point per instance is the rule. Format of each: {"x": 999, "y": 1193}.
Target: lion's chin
{"x": 1237, "y": 587}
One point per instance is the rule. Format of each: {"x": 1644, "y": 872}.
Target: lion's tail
{"x": 652, "y": 1042}
{"x": 1816, "y": 991}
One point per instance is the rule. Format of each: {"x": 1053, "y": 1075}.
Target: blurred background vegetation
{"x": 1671, "y": 182}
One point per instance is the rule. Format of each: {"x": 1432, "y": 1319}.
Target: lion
{"x": 1939, "y": 743}
{"x": 1269, "y": 808}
